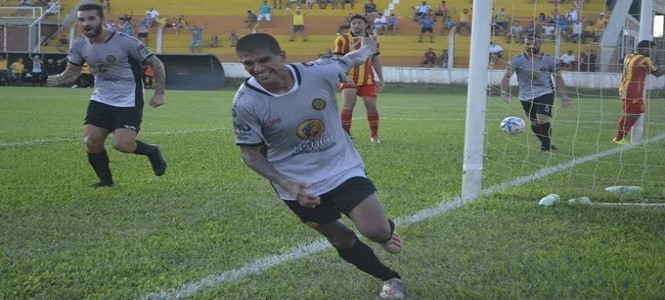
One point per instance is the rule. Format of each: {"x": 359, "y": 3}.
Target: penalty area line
{"x": 261, "y": 265}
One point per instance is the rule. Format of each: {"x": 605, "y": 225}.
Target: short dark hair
{"x": 93, "y": 6}
{"x": 256, "y": 41}
{"x": 359, "y": 16}
{"x": 645, "y": 44}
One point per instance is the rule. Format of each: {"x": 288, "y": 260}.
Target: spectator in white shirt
{"x": 548, "y": 31}
{"x": 576, "y": 33}
{"x": 421, "y": 10}
{"x": 495, "y": 53}
{"x": 380, "y": 24}
{"x": 568, "y": 60}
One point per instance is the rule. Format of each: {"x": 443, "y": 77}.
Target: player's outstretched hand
{"x": 157, "y": 100}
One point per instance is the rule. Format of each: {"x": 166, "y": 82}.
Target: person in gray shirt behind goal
{"x": 536, "y": 92}
{"x": 287, "y": 125}
{"x": 116, "y": 104}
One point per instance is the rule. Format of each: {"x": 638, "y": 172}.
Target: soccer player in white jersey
{"x": 116, "y": 104}
{"x": 536, "y": 92}
{"x": 288, "y": 129}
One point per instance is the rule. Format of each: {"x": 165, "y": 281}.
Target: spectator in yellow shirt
{"x": 18, "y": 68}
{"x": 4, "y": 72}
{"x": 298, "y": 24}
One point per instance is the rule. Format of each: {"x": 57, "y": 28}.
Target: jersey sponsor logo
{"x": 240, "y": 127}
{"x": 311, "y": 131}
{"x": 319, "y": 104}
{"x": 111, "y": 58}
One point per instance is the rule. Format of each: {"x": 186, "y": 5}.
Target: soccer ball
{"x": 512, "y": 125}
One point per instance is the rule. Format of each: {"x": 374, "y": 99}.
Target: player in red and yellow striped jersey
{"x": 636, "y": 67}
{"x": 361, "y": 78}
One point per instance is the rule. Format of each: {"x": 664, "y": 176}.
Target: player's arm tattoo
{"x": 159, "y": 74}
{"x": 70, "y": 74}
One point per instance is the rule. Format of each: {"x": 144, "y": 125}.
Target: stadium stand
{"x": 401, "y": 49}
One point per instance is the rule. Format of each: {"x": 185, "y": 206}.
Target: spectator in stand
{"x": 328, "y": 53}
{"x": 309, "y": 4}
{"x": 85, "y": 79}
{"x": 63, "y": 44}
{"x": 213, "y": 42}
{"x": 592, "y": 60}
{"x": 125, "y": 18}
{"x": 548, "y": 31}
{"x": 251, "y": 19}
{"x": 351, "y": 2}
{"x": 562, "y": 26}
{"x": 179, "y": 23}
{"x": 495, "y": 53}
{"x": 4, "y": 71}
{"x": 501, "y": 21}
{"x": 569, "y": 60}
{"x": 577, "y": 32}
{"x": 426, "y": 26}
{"x": 298, "y": 24}
{"x": 106, "y": 6}
{"x": 421, "y": 10}
{"x": 233, "y": 38}
{"x": 143, "y": 28}
{"x": 18, "y": 69}
{"x": 573, "y": 15}
{"x": 599, "y": 27}
{"x": 265, "y": 12}
{"x": 449, "y": 25}
{"x": 111, "y": 25}
{"x": 37, "y": 73}
{"x": 429, "y": 59}
{"x": 392, "y": 24}
{"x": 583, "y": 62}
{"x": 443, "y": 59}
{"x": 380, "y": 25}
{"x": 51, "y": 67}
{"x": 464, "y": 20}
{"x": 516, "y": 32}
{"x": 370, "y": 7}
{"x": 197, "y": 32}
{"x": 151, "y": 15}
{"x": 53, "y": 8}
{"x": 275, "y": 2}
{"x": 589, "y": 32}
{"x": 441, "y": 11}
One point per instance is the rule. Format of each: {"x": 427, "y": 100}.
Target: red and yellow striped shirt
{"x": 363, "y": 74}
{"x": 636, "y": 67}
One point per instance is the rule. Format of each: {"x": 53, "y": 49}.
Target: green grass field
{"x": 212, "y": 229}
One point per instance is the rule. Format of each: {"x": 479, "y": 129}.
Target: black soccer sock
{"x": 144, "y": 149}
{"x": 536, "y": 130}
{"x": 362, "y": 256}
{"x": 100, "y": 163}
{"x": 546, "y": 133}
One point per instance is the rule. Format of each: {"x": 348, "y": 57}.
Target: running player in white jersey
{"x": 288, "y": 129}
{"x": 536, "y": 90}
{"x": 116, "y": 104}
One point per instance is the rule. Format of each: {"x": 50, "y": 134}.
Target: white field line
{"x": 628, "y": 204}
{"x": 263, "y": 264}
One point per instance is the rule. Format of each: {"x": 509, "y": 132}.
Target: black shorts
{"x": 298, "y": 28}
{"x": 112, "y": 117}
{"x": 342, "y": 199}
{"x": 142, "y": 34}
{"x": 428, "y": 29}
{"x": 541, "y": 105}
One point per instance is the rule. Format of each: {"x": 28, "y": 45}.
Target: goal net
{"x": 586, "y": 161}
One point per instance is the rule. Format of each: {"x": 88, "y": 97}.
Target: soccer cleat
{"x": 375, "y": 139}
{"x": 158, "y": 162}
{"x": 620, "y": 142}
{"x": 394, "y": 244}
{"x": 102, "y": 184}
{"x": 392, "y": 289}
{"x": 551, "y": 148}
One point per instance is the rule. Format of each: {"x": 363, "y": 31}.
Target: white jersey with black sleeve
{"x": 116, "y": 65}
{"x": 301, "y": 129}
